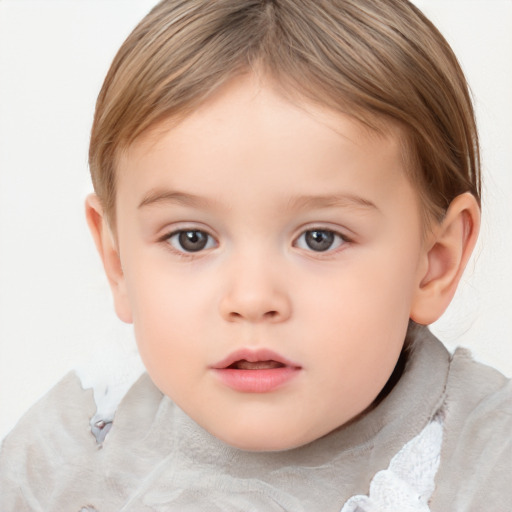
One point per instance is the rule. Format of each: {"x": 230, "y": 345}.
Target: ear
{"x": 109, "y": 253}
{"x": 446, "y": 254}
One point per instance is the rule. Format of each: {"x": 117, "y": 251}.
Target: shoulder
{"x": 476, "y": 393}
{"x": 483, "y": 380}
{"x": 476, "y": 458}
{"x": 478, "y": 401}
{"x": 61, "y": 412}
{"x": 56, "y": 427}
{"x": 51, "y": 459}
{"x": 32, "y": 454}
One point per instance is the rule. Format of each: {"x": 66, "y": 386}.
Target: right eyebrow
{"x": 163, "y": 196}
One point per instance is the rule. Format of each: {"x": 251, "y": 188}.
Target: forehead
{"x": 249, "y": 134}
{"x": 260, "y": 93}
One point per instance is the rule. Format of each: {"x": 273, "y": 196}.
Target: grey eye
{"x": 319, "y": 240}
{"x": 191, "y": 240}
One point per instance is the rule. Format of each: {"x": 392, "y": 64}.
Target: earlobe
{"x": 109, "y": 254}
{"x": 449, "y": 248}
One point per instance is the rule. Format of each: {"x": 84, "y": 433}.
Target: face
{"x": 270, "y": 254}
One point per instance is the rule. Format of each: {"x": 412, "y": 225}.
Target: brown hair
{"x": 373, "y": 59}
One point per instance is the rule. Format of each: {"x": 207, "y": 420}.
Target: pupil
{"x": 193, "y": 241}
{"x": 319, "y": 240}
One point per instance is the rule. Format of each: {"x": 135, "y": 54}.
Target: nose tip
{"x": 255, "y": 303}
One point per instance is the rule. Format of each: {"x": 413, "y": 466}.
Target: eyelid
{"x": 177, "y": 227}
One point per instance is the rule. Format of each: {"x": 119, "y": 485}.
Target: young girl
{"x": 287, "y": 193}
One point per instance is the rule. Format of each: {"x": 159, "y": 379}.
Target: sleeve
{"x": 483, "y": 456}
{"x": 49, "y": 452}
{"x": 476, "y": 461}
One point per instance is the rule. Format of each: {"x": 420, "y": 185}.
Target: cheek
{"x": 371, "y": 294}
{"x": 361, "y": 318}
{"x": 165, "y": 317}
{"x": 162, "y": 293}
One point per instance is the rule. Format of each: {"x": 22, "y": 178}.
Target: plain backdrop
{"x": 55, "y": 308}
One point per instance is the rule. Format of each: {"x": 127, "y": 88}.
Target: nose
{"x": 255, "y": 292}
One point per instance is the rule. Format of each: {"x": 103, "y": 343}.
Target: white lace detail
{"x": 110, "y": 371}
{"x": 408, "y": 483}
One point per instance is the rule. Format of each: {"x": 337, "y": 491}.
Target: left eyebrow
{"x": 333, "y": 200}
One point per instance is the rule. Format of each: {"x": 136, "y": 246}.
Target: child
{"x": 287, "y": 193}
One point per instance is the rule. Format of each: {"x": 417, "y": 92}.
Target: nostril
{"x": 269, "y": 315}
{"x": 254, "y": 307}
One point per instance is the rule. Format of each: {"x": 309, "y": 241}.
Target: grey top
{"x": 155, "y": 458}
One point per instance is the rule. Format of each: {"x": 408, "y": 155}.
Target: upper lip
{"x": 253, "y": 356}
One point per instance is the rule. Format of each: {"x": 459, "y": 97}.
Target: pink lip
{"x": 261, "y": 380}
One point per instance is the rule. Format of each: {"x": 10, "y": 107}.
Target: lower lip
{"x": 257, "y": 381}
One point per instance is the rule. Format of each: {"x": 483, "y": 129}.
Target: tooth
{"x": 258, "y": 365}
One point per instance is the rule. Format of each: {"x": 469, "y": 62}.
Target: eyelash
{"x": 337, "y": 238}
{"x": 182, "y": 252}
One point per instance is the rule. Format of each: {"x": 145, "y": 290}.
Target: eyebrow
{"x": 159, "y": 196}
{"x": 332, "y": 200}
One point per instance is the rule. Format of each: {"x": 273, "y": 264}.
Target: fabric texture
{"x": 409, "y": 481}
{"x": 155, "y": 458}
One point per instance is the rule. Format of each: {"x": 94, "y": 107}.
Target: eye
{"x": 320, "y": 240}
{"x": 191, "y": 240}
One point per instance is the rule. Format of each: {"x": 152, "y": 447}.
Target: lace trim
{"x": 110, "y": 373}
{"x": 408, "y": 483}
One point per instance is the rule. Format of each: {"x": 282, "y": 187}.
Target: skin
{"x": 257, "y": 174}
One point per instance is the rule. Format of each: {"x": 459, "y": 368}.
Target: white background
{"x": 55, "y": 310}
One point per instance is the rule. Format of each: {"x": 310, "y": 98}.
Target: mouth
{"x": 243, "y": 364}
{"x": 260, "y": 359}
{"x": 259, "y": 371}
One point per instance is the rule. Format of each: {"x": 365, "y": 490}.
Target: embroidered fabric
{"x": 408, "y": 483}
